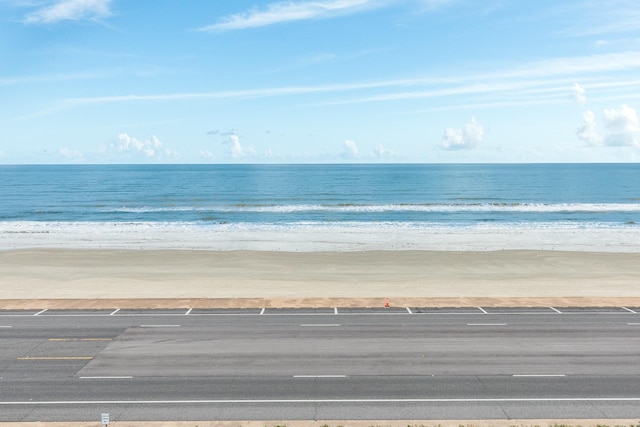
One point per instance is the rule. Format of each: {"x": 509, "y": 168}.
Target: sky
{"x": 319, "y": 81}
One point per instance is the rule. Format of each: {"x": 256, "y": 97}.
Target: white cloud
{"x": 350, "y": 150}
{"x": 149, "y": 148}
{"x": 70, "y": 154}
{"x": 579, "y": 94}
{"x": 587, "y": 132}
{"x": 206, "y": 155}
{"x": 623, "y": 127}
{"x": 463, "y": 139}
{"x": 70, "y": 10}
{"x": 286, "y": 11}
{"x": 382, "y": 153}
{"x": 236, "y": 150}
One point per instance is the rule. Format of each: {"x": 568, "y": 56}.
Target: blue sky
{"x": 313, "y": 81}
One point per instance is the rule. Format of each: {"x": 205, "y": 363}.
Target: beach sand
{"x": 94, "y": 278}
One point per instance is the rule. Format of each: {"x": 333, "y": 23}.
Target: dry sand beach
{"x": 91, "y": 278}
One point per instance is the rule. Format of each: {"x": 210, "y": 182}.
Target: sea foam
{"x": 321, "y": 236}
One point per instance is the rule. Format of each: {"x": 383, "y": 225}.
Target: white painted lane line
{"x": 40, "y": 312}
{"x": 55, "y": 358}
{"x": 539, "y": 375}
{"x": 320, "y": 325}
{"x": 629, "y": 310}
{"x": 318, "y": 376}
{"x": 486, "y": 324}
{"x": 5, "y": 327}
{"x": 482, "y": 310}
{"x": 114, "y": 312}
{"x": 262, "y": 311}
{"x": 556, "y": 310}
{"x": 335, "y": 310}
{"x": 115, "y": 377}
{"x": 159, "y": 326}
{"x": 289, "y": 401}
{"x": 633, "y": 324}
{"x": 409, "y": 310}
{"x": 188, "y": 312}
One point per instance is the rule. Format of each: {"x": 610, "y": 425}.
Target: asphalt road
{"x": 416, "y": 364}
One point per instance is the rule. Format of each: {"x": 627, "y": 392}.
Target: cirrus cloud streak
{"x": 287, "y": 11}
{"x": 70, "y": 10}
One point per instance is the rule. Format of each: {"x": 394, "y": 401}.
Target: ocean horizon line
{"x": 630, "y": 162}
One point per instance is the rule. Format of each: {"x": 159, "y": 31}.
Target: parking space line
{"x": 80, "y": 339}
{"x": 115, "y": 377}
{"x": 319, "y": 376}
{"x": 486, "y": 324}
{"x": 303, "y": 401}
{"x": 329, "y": 311}
{"x": 56, "y": 358}
{"x": 320, "y": 325}
{"x": 538, "y": 375}
{"x": 159, "y": 326}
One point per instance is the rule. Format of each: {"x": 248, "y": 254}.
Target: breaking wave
{"x": 430, "y": 207}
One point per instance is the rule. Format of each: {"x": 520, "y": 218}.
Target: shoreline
{"x": 93, "y": 278}
{"x": 319, "y": 237}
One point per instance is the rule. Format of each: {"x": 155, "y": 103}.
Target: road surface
{"x": 396, "y": 363}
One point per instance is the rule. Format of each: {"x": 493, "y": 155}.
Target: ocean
{"x": 322, "y": 207}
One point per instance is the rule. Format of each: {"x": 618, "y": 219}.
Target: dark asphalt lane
{"x": 168, "y": 366}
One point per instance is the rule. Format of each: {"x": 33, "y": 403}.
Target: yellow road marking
{"x": 56, "y": 358}
{"x": 80, "y": 339}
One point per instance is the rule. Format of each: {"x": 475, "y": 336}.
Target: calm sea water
{"x": 444, "y": 195}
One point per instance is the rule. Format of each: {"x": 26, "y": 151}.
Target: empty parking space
{"x": 299, "y": 311}
{"x": 519, "y": 310}
{"x": 18, "y": 312}
{"x": 77, "y": 313}
{"x": 445, "y": 310}
{"x": 219, "y": 311}
{"x": 586, "y": 310}
{"x": 152, "y": 312}
{"x": 373, "y": 310}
